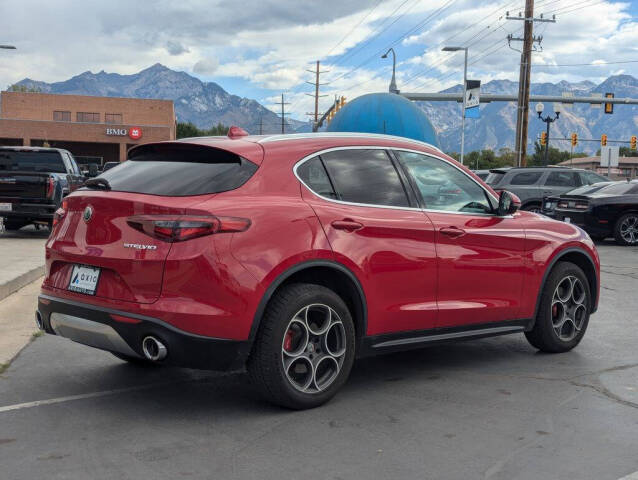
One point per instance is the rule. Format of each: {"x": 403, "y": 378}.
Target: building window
{"x": 61, "y": 116}
{"x": 113, "y": 118}
{"x": 88, "y": 117}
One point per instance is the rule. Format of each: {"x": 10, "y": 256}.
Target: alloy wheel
{"x": 313, "y": 348}
{"x": 629, "y": 229}
{"x": 568, "y": 309}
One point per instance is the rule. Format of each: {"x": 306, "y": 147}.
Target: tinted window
{"x": 525, "y": 178}
{"x": 365, "y": 176}
{"x": 33, "y": 161}
{"x": 180, "y": 170}
{"x": 314, "y": 175}
{"x": 587, "y": 189}
{"x": 562, "y": 179}
{"x": 619, "y": 189}
{"x": 591, "y": 177}
{"x": 443, "y": 186}
{"x": 494, "y": 178}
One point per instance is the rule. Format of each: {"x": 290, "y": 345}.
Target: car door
{"x": 526, "y": 185}
{"x": 560, "y": 181}
{"x": 481, "y": 257}
{"x": 377, "y": 230}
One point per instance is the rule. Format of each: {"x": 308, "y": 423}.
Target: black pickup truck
{"x": 33, "y": 181}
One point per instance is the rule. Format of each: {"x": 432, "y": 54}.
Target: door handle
{"x": 452, "y": 232}
{"x": 347, "y": 225}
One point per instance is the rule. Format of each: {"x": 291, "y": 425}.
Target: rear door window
{"x": 526, "y": 178}
{"x": 591, "y": 177}
{"x": 494, "y": 178}
{"x": 365, "y": 176}
{"x": 562, "y": 179}
{"x": 31, "y": 161}
{"x": 180, "y": 170}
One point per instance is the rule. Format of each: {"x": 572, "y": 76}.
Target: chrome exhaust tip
{"x": 38, "y": 320}
{"x": 153, "y": 349}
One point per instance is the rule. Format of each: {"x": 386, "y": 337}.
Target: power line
{"x": 353, "y": 28}
{"x": 594, "y": 64}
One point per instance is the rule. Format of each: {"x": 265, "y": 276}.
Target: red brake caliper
{"x": 288, "y": 340}
{"x": 554, "y": 310}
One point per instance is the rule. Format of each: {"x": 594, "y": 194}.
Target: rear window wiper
{"x": 98, "y": 182}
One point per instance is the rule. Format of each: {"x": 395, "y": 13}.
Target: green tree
{"x": 23, "y": 88}
{"x": 188, "y": 129}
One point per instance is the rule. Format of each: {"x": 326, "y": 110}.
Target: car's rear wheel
{"x": 305, "y": 347}
{"x": 532, "y": 207}
{"x": 626, "y": 229}
{"x": 13, "y": 226}
{"x": 564, "y": 310}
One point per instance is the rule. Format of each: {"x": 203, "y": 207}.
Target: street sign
{"x": 609, "y": 156}
{"x": 472, "y": 98}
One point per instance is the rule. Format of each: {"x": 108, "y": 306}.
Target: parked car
{"x": 532, "y": 184}
{"x": 609, "y": 211}
{"x": 294, "y": 254}
{"x": 549, "y": 203}
{"x": 33, "y": 182}
{"x": 109, "y": 165}
{"x": 482, "y": 174}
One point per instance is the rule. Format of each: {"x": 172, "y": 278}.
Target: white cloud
{"x": 206, "y": 66}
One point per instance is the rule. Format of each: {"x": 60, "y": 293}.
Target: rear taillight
{"x": 179, "y": 228}
{"x": 581, "y": 205}
{"x": 563, "y": 204}
{"x": 50, "y": 188}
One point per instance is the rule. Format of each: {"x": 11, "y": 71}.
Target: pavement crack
{"x": 606, "y": 392}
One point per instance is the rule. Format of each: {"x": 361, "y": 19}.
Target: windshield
{"x": 31, "y": 161}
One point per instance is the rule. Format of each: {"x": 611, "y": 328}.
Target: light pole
{"x": 456, "y": 49}
{"x": 548, "y": 120}
{"x": 393, "y": 83}
{"x": 7, "y": 47}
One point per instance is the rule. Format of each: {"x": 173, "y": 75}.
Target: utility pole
{"x": 283, "y": 113}
{"x": 261, "y": 125}
{"x": 524, "y": 76}
{"x": 316, "y": 83}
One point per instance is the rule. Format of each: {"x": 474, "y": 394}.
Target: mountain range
{"x": 207, "y": 103}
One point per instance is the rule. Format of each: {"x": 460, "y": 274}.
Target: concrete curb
{"x": 20, "y": 281}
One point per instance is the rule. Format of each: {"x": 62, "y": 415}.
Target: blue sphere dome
{"x": 387, "y": 113}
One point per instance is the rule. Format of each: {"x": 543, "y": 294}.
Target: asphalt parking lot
{"x": 484, "y": 409}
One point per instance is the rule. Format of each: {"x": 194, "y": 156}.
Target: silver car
{"x": 532, "y": 184}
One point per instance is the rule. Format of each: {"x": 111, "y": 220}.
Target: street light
{"x": 7, "y": 47}
{"x": 456, "y": 49}
{"x": 393, "y": 83}
{"x": 548, "y": 120}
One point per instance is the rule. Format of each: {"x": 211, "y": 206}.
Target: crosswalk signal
{"x": 574, "y": 139}
{"x": 632, "y": 142}
{"x": 544, "y": 138}
{"x": 603, "y": 140}
{"x": 609, "y": 107}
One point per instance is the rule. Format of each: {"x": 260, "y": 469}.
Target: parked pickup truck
{"x": 33, "y": 181}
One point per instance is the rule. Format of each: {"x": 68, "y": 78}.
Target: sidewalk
{"x": 17, "y": 321}
{"x": 21, "y": 259}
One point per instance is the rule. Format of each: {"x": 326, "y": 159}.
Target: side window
{"x": 589, "y": 178}
{"x": 365, "y": 176}
{"x": 562, "y": 179}
{"x": 443, "y": 186}
{"x": 526, "y": 178}
{"x": 315, "y": 177}
{"x": 68, "y": 166}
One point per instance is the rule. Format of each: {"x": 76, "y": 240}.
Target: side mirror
{"x": 508, "y": 203}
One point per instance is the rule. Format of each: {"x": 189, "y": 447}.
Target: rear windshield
{"x": 179, "y": 171}
{"x": 46, "y": 162}
{"x": 587, "y": 189}
{"x": 494, "y": 178}
{"x": 619, "y": 189}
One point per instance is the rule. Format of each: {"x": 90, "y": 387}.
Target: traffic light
{"x": 544, "y": 138}
{"x": 609, "y": 107}
{"x": 574, "y": 139}
{"x": 603, "y": 140}
{"x": 632, "y": 142}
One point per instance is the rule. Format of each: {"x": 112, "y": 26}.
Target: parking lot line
{"x": 52, "y": 401}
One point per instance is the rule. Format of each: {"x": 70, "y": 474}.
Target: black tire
{"x": 632, "y": 218}
{"x": 141, "y": 362}
{"x": 599, "y": 237}
{"x": 265, "y": 364}
{"x": 532, "y": 207}
{"x": 544, "y": 336}
{"x": 13, "y": 226}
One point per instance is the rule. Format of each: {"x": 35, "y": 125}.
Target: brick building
{"x": 627, "y": 166}
{"x": 94, "y": 129}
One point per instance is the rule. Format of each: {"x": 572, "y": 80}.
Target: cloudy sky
{"x": 259, "y": 48}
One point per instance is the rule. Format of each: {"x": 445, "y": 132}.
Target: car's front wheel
{"x": 305, "y": 347}
{"x": 564, "y": 310}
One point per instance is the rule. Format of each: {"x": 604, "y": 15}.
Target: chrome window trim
{"x": 377, "y": 147}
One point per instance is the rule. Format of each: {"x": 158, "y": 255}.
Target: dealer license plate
{"x": 6, "y": 207}
{"x": 84, "y": 279}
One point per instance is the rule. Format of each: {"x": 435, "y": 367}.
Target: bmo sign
{"x": 134, "y": 133}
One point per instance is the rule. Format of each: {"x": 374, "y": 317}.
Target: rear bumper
{"x": 586, "y": 221}
{"x": 123, "y": 332}
{"x": 29, "y": 211}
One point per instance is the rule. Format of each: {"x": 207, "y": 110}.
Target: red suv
{"x": 294, "y": 254}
